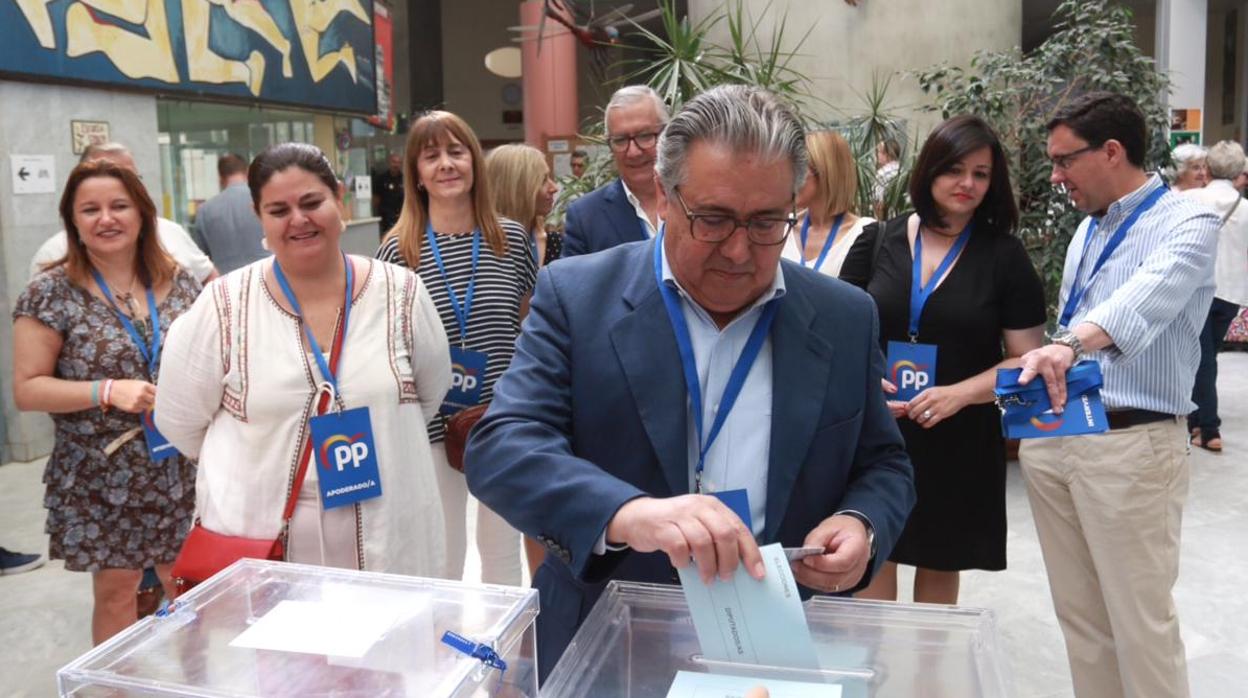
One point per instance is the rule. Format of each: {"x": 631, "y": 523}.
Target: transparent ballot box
{"x": 639, "y": 636}
{"x": 262, "y": 628}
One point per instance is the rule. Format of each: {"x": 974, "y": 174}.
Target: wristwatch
{"x": 866, "y": 523}
{"x": 1067, "y": 338}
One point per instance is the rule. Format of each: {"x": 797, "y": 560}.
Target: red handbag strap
{"x": 334, "y": 354}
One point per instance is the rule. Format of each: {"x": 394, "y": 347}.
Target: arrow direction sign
{"x": 33, "y": 174}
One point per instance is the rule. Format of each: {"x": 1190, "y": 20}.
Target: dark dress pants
{"x": 1205, "y": 390}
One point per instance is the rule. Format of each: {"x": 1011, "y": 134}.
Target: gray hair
{"x": 1186, "y": 155}
{"x": 99, "y": 150}
{"x": 1226, "y": 160}
{"x": 632, "y": 94}
{"x": 746, "y": 119}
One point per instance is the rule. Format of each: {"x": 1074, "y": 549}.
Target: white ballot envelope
{"x": 689, "y": 684}
{"x": 751, "y": 621}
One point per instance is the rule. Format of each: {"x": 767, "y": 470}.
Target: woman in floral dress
{"x": 83, "y": 335}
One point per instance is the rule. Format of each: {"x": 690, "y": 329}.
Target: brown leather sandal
{"x": 1213, "y": 445}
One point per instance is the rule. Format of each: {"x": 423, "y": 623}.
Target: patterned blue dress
{"x": 119, "y": 511}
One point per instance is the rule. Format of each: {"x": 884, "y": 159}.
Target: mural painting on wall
{"x": 316, "y": 53}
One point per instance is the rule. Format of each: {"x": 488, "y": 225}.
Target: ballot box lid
{"x": 638, "y": 636}
{"x": 264, "y": 628}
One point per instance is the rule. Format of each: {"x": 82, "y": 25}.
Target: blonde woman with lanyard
{"x": 830, "y": 226}
{"x": 480, "y": 273}
{"x": 256, "y": 398}
{"x": 86, "y": 351}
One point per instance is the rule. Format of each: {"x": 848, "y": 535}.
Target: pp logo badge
{"x": 342, "y": 452}
{"x": 912, "y": 368}
{"x": 908, "y": 375}
{"x": 467, "y": 380}
{"x": 348, "y": 457}
{"x": 463, "y": 378}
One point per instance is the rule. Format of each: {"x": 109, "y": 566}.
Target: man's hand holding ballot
{"x": 688, "y": 527}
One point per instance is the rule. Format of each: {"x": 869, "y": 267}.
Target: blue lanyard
{"x": 1076, "y": 291}
{"x": 827, "y": 244}
{"x": 321, "y": 363}
{"x": 461, "y": 311}
{"x": 736, "y": 380}
{"x": 150, "y": 355}
{"x": 920, "y": 293}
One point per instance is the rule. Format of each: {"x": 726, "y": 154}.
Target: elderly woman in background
{"x": 829, "y": 226}
{"x": 1226, "y": 162}
{"x": 87, "y": 349}
{"x": 524, "y": 191}
{"x": 277, "y": 343}
{"x": 481, "y": 271}
{"x": 1190, "y": 168}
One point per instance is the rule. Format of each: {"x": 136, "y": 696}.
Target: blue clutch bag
{"x": 1026, "y": 412}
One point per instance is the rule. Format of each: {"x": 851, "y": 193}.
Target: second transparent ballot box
{"x": 640, "y": 636}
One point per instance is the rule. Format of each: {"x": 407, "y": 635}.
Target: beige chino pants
{"x": 1108, "y": 509}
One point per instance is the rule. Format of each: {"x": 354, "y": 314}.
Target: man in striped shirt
{"x": 1136, "y": 288}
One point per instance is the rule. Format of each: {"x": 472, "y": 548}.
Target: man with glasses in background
{"x": 1108, "y": 507}
{"x": 684, "y": 400}
{"x": 626, "y": 209}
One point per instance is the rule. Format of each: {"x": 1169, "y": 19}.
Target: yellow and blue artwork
{"x": 315, "y": 53}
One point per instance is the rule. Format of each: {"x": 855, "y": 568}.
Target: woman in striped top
{"x": 480, "y": 273}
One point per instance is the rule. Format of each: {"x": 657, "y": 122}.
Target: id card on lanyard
{"x": 467, "y": 366}
{"x": 827, "y": 244}
{"x": 158, "y": 447}
{"x": 911, "y": 366}
{"x": 736, "y": 380}
{"x": 342, "y": 439}
{"x": 1077, "y": 292}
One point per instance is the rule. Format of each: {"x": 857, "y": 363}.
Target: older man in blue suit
{"x": 626, "y": 210}
{"x": 665, "y": 393}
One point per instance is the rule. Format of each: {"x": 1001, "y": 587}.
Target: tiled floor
{"x": 45, "y": 615}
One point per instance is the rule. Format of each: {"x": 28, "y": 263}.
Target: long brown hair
{"x": 153, "y": 265}
{"x": 440, "y": 127}
{"x": 952, "y": 140}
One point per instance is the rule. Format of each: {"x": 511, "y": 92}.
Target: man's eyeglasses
{"x": 1065, "y": 160}
{"x": 717, "y": 227}
{"x": 644, "y": 140}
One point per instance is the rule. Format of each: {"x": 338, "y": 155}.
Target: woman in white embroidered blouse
{"x": 247, "y": 382}
{"x": 829, "y": 226}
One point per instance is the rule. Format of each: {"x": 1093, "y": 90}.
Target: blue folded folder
{"x": 1026, "y": 412}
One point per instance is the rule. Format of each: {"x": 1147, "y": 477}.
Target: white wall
{"x": 34, "y": 120}
{"x": 1215, "y": 129}
{"x": 847, "y": 44}
{"x": 1181, "y": 44}
{"x": 471, "y": 29}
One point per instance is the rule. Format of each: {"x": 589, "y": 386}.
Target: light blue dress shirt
{"x": 1151, "y": 298}
{"x": 738, "y": 458}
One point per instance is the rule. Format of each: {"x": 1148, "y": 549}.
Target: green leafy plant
{"x": 686, "y": 61}
{"x": 1093, "y": 48}
{"x": 864, "y": 132}
{"x": 683, "y": 59}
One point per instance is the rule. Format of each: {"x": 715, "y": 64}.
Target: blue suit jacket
{"x": 600, "y": 220}
{"x": 592, "y": 413}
